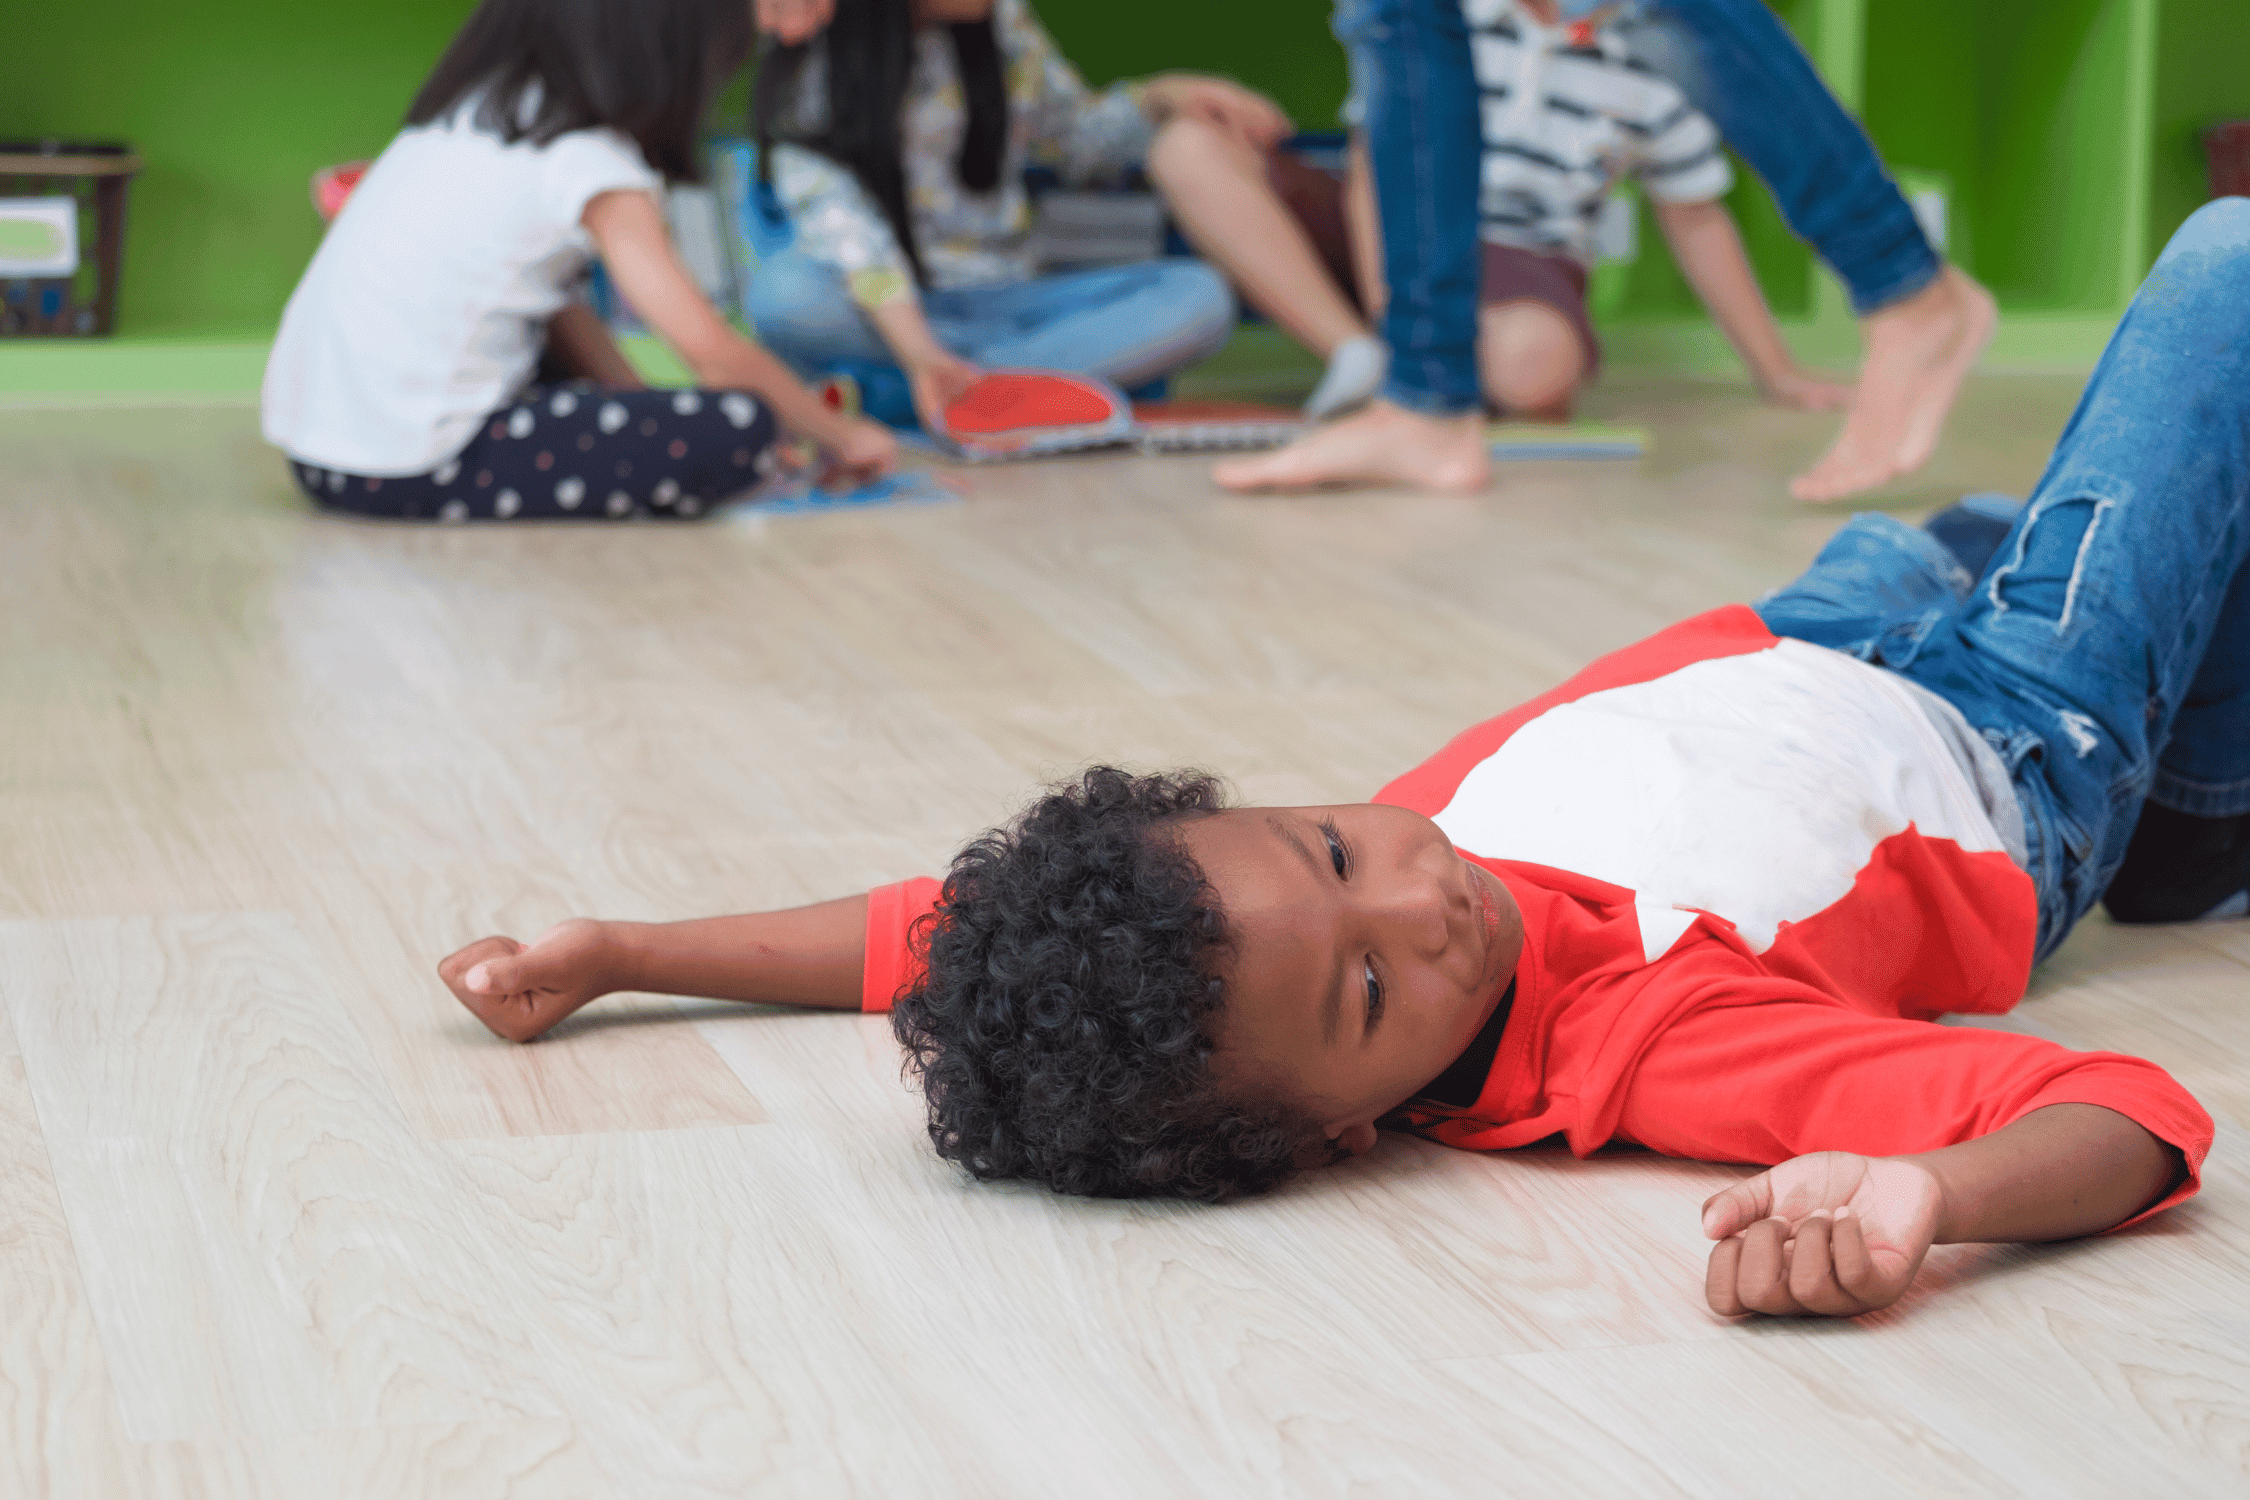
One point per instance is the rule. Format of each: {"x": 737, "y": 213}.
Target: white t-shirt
{"x": 425, "y": 307}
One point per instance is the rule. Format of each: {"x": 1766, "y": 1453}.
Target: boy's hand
{"x": 1831, "y": 1235}
{"x": 1800, "y": 390}
{"x": 520, "y": 992}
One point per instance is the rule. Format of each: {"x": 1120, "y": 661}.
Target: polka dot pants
{"x": 577, "y": 452}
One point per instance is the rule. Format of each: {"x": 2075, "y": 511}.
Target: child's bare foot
{"x": 1918, "y": 352}
{"x": 1380, "y": 444}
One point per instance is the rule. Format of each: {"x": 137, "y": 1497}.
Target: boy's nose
{"x": 1417, "y": 905}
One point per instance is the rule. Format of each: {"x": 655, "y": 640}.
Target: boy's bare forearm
{"x": 1709, "y": 250}
{"x": 2058, "y": 1173}
{"x": 809, "y": 955}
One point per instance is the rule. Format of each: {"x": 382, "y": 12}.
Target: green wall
{"x": 2202, "y": 76}
{"x": 232, "y": 103}
{"x": 2026, "y": 105}
{"x": 1282, "y": 48}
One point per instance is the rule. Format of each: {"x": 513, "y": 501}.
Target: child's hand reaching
{"x": 1831, "y": 1234}
{"x": 521, "y": 991}
{"x": 866, "y": 449}
{"x": 1801, "y": 390}
{"x": 938, "y": 379}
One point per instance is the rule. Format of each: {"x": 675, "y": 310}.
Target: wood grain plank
{"x": 264, "y": 1246}
{"x": 1745, "y": 1418}
{"x": 276, "y": 1219}
{"x": 59, "y": 1432}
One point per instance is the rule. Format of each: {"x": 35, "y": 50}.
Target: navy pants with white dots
{"x": 576, "y": 452}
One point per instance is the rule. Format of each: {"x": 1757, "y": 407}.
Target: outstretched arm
{"x": 808, "y": 955}
{"x": 1837, "y": 1234}
{"x": 1704, "y": 242}
{"x": 628, "y": 228}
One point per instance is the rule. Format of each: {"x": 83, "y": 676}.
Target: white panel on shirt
{"x": 1754, "y": 787}
{"x": 1661, "y": 927}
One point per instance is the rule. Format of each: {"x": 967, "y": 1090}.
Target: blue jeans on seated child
{"x": 1127, "y": 324}
{"x": 2105, "y": 651}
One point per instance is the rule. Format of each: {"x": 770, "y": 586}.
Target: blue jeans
{"x": 1739, "y": 65}
{"x": 2105, "y": 652}
{"x": 1417, "y": 90}
{"x": 1127, "y": 324}
{"x": 1416, "y": 83}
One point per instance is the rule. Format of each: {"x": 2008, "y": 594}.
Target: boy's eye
{"x": 1374, "y": 996}
{"x": 1337, "y": 854}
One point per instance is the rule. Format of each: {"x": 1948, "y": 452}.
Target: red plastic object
{"x": 331, "y": 186}
{"x": 1007, "y": 402}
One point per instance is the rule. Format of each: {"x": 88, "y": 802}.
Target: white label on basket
{"x": 38, "y": 236}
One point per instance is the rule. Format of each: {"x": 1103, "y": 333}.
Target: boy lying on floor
{"x": 1705, "y": 896}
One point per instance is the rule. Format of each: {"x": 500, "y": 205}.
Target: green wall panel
{"x": 2202, "y": 77}
{"x": 232, "y": 103}
{"x": 1282, "y": 48}
{"x": 2068, "y": 129}
{"x": 2028, "y": 107}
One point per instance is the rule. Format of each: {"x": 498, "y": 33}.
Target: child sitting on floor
{"x": 405, "y": 380}
{"x": 896, "y": 140}
{"x": 1705, "y": 896}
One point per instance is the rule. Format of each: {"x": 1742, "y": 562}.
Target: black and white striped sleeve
{"x": 1678, "y": 159}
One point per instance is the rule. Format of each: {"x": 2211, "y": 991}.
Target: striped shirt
{"x": 1567, "y": 114}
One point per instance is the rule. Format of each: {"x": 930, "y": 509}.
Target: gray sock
{"x": 1355, "y": 372}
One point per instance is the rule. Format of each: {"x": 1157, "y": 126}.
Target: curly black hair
{"x": 1062, "y": 1031}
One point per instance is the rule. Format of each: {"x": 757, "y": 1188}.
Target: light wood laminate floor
{"x": 277, "y": 1219}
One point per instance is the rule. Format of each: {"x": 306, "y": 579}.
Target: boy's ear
{"x": 1335, "y": 1144}
{"x": 1355, "y": 1139}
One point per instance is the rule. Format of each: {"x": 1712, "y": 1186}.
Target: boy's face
{"x": 1366, "y": 954}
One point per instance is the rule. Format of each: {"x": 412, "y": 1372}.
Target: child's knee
{"x": 1184, "y": 144}
{"x": 1531, "y": 357}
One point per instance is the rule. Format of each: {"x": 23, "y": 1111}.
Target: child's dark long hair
{"x": 644, "y": 68}
{"x": 870, "y": 57}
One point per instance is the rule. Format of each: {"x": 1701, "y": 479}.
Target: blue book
{"x": 1529, "y": 440}
{"x": 907, "y": 487}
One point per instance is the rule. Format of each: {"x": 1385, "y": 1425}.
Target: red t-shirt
{"x": 1752, "y": 871}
